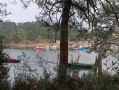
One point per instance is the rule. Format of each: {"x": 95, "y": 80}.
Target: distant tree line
{"x": 33, "y": 31}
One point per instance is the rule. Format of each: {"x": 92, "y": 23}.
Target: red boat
{"x": 11, "y": 59}
{"x": 38, "y": 48}
{"x": 14, "y": 60}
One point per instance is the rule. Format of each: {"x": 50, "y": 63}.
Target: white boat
{"x": 54, "y": 47}
{"x": 46, "y": 47}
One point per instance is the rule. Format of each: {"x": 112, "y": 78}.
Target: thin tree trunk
{"x": 64, "y": 34}
{"x": 100, "y": 59}
{"x": 100, "y": 55}
{"x": 96, "y": 66}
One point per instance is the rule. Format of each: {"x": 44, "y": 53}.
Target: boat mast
{"x": 9, "y": 44}
{"x": 78, "y": 55}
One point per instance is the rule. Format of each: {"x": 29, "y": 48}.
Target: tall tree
{"x": 3, "y": 69}
{"x": 79, "y": 13}
{"x": 64, "y": 12}
{"x": 64, "y": 33}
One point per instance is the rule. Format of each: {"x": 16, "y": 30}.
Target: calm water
{"x": 40, "y": 60}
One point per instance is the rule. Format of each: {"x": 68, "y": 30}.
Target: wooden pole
{"x": 78, "y": 55}
{"x": 10, "y": 44}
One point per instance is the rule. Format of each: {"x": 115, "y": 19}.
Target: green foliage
{"x": 71, "y": 81}
{"x": 36, "y": 31}
{"x": 109, "y": 10}
{"x": 4, "y": 84}
{"x": 28, "y": 80}
{"x": 39, "y": 38}
{"x": 22, "y": 34}
{"x": 16, "y": 38}
{"x": 102, "y": 81}
{"x": 31, "y": 36}
{"x": 32, "y": 31}
{"x": 82, "y": 33}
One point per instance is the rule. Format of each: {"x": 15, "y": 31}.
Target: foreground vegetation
{"x": 72, "y": 82}
{"x": 28, "y": 79}
{"x": 36, "y": 31}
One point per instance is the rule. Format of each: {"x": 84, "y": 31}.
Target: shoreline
{"x": 34, "y": 45}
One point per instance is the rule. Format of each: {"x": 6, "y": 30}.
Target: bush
{"x": 72, "y": 82}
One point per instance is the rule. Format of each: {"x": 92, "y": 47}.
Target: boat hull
{"x": 80, "y": 65}
{"x": 14, "y": 60}
{"x": 82, "y": 48}
{"x": 38, "y": 48}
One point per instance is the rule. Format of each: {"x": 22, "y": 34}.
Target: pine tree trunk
{"x": 64, "y": 34}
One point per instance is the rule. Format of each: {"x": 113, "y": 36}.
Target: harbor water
{"x": 36, "y": 61}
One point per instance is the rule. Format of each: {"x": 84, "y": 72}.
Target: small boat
{"x": 11, "y": 59}
{"x": 53, "y": 47}
{"x": 46, "y": 48}
{"x": 81, "y": 48}
{"x": 38, "y": 48}
{"x": 14, "y": 60}
{"x": 80, "y": 65}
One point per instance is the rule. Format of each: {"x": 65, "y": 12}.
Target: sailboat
{"x": 80, "y": 65}
{"x": 12, "y": 59}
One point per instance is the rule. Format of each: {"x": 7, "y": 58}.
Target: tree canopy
{"x": 89, "y": 14}
{"x": 32, "y": 31}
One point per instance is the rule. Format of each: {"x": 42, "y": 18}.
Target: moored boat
{"x": 42, "y": 48}
{"x": 38, "y": 48}
{"x": 53, "y": 47}
{"x": 80, "y": 65}
{"x": 46, "y": 48}
{"x": 11, "y": 59}
{"x": 81, "y": 48}
{"x": 14, "y": 60}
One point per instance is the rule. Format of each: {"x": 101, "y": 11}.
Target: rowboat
{"x": 38, "y": 48}
{"x": 14, "y": 60}
{"x": 81, "y": 48}
{"x": 46, "y": 48}
{"x": 80, "y": 65}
